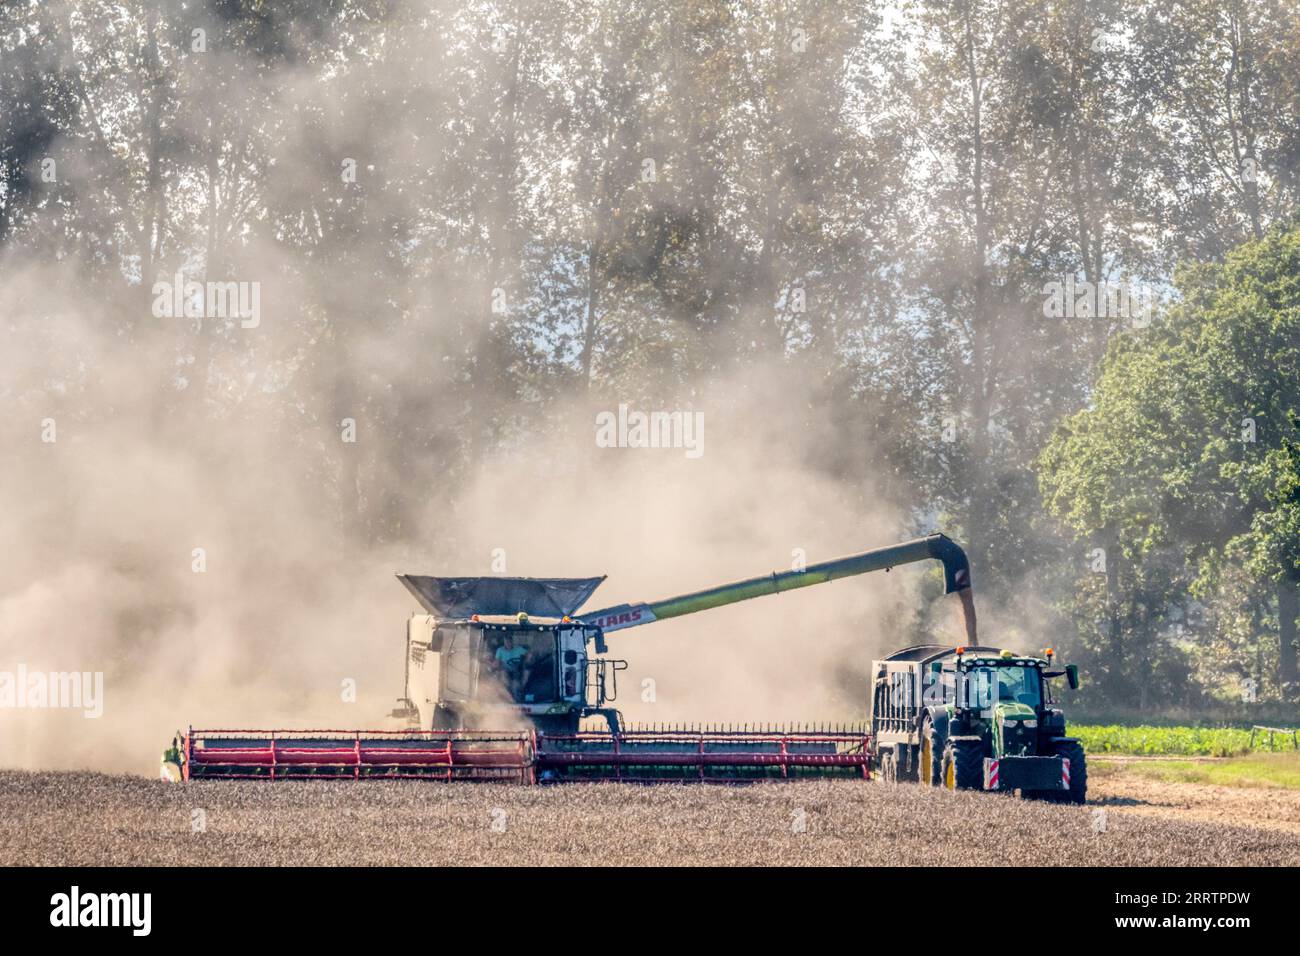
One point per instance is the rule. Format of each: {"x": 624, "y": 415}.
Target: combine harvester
{"x": 516, "y": 654}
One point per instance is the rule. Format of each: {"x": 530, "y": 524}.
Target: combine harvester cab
{"x": 975, "y": 718}
{"x": 504, "y": 677}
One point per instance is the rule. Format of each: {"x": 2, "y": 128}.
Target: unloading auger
{"x": 501, "y": 673}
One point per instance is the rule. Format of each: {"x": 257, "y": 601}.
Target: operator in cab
{"x": 510, "y": 659}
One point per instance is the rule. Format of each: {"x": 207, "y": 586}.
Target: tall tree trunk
{"x": 1114, "y": 614}
{"x": 149, "y": 236}
{"x": 486, "y": 372}
{"x": 1243, "y": 141}
{"x": 980, "y": 530}
{"x": 589, "y": 327}
{"x": 1288, "y": 605}
{"x": 212, "y": 270}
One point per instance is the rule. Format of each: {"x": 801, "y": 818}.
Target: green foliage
{"x": 1183, "y": 466}
{"x": 1152, "y": 741}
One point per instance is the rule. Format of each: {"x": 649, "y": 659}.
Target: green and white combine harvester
{"x": 504, "y": 677}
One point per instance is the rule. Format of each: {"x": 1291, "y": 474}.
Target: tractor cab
{"x": 985, "y": 682}
{"x": 1006, "y": 697}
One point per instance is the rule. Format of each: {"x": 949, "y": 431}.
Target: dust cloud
{"x": 179, "y": 500}
{"x": 281, "y": 614}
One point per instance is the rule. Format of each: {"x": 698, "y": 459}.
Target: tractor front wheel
{"x": 1078, "y": 791}
{"x": 1073, "y": 751}
{"x": 963, "y": 765}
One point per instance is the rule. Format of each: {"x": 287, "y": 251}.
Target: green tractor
{"x": 976, "y": 718}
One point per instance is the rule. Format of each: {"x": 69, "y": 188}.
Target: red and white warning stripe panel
{"x": 990, "y": 773}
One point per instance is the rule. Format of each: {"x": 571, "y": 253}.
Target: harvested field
{"x": 1128, "y": 792}
{"x": 86, "y": 818}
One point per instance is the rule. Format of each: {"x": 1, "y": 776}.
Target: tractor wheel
{"x": 963, "y": 765}
{"x": 888, "y": 767}
{"x": 906, "y": 761}
{"x": 930, "y": 772}
{"x": 1078, "y": 792}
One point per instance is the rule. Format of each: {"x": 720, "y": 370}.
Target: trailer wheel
{"x": 930, "y": 772}
{"x": 907, "y": 758}
{"x": 888, "y": 768}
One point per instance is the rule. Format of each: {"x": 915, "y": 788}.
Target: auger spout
{"x": 939, "y": 547}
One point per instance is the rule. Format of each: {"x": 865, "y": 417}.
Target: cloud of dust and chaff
{"x": 209, "y": 511}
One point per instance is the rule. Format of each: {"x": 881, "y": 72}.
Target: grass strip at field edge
{"x": 1262, "y": 770}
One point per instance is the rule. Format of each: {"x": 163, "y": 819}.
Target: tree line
{"x": 533, "y": 205}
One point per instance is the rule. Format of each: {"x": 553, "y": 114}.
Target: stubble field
{"x": 97, "y": 819}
